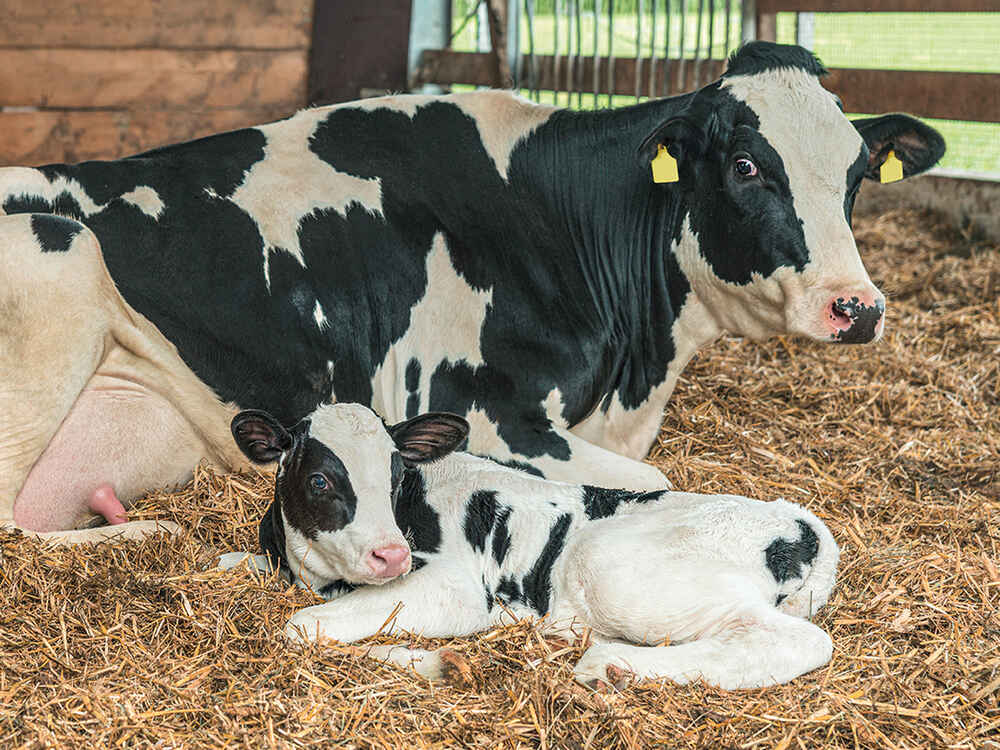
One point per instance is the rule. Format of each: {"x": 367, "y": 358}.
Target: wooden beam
{"x": 952, "y": 96}
{"x": 44, "y": 137}
{"x": 257, "y": 24}
{"x": 152, "y": 78}
{"x": 359, "y": 48}
{"x": 879, "y": 6}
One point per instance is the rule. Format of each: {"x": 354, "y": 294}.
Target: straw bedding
{"x": 896, "y": 446}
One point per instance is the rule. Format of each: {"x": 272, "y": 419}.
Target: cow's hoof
{"x": 602, "y": 671}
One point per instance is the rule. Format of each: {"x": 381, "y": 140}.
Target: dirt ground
{"x": 896, "y": 446}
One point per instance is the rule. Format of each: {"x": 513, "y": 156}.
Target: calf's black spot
{"x": 537, "y": 584}
{"x": 785, "y": 559}
{"x": 54, "y": 233}
{"x": 600, "y": 502}
{"x": 480, "y": 513}
{"x": 501, "y": 535}
{"x": 415, "y": 517}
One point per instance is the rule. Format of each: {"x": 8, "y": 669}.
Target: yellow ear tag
{"x": 891, "y": 169}
{"x": 664, "y": 166}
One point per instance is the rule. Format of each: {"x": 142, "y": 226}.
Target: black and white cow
{"x": 472, "y": 253}
{"x": 726, "y": 580}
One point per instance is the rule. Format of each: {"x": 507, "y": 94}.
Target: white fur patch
{"x": 291, "y": 182}
{"x": 320, "y": 317}
{"x": 445, "y": 326}
{"x": 146, "y": 199}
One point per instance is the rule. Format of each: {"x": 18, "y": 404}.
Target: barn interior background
{"x": 897, "y": 447}
{"x": 104, "y": 79}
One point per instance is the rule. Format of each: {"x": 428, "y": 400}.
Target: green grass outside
{"x": 900, "y": 41}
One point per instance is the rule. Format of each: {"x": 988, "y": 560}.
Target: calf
{"x": 727, "y": 579}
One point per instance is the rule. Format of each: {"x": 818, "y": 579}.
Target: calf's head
{"x": 769, "y": 168}
{"x": 339, "y": 477}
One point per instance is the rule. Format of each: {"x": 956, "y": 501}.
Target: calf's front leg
{"x": 423, "y": 603}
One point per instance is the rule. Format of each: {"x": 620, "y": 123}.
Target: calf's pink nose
{"x": 389, "y": 561}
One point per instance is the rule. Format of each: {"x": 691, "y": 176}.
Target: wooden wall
{"x": 84, "y": 79}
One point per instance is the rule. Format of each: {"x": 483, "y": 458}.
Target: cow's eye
{"x": 318, "y": 483}
{"x": 745, "y": 168}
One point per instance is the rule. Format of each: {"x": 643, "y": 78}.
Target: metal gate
{"x": 586, "y": 52}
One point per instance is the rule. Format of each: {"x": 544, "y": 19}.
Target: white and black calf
{"x": 472, "y": 253}
{"x": 726, "y": 580}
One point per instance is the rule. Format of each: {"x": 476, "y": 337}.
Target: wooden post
{"x": 359, "y": 48}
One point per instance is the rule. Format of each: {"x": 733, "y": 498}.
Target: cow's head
{"x": 769, "y": 168}
{"x": 340, "y": 472}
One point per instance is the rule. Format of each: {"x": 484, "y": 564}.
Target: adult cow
{"x": 472, "y": 253}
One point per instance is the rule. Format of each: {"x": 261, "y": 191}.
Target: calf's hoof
{"x": 603, "y": 671}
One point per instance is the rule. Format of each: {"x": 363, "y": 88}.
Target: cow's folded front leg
{"x": 421, "y": 603}
{"x": 591, "y": 464}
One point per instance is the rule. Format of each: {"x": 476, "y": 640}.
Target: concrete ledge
{"x": 970, "y": 200}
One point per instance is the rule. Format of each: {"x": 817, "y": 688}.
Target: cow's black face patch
{"x": 742, "y": 210}
{"x": 54, "y": 233}
{"x": 315, "y": 489}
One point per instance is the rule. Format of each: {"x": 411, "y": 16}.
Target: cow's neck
{"x": 623, "y": 230}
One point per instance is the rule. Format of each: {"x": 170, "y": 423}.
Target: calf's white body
{"x": 726, "y": 580}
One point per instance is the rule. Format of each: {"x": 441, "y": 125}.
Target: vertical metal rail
{"x": 696, "y": 65}
{"x": 578, "y": 11}
{"x": 680, "y": 47}
{"x": 711, "y": 34}
{"x": 597, "y": 54}
{"x": 652, "y": 49}
{"x": 640, "y": 12}
{"x": 555, "y": 52}
{"x": 529, "y": 9}
{"x": 729, "y": 16}
{"x": 666, "y": 49}
{"x": 611, "y": 51}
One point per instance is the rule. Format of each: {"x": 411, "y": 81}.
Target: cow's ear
{"x": 429, "y": 436}
{"x": 260, "y": 436}
{"x": 679, "y": 136}
{"x": 918, "y": 146}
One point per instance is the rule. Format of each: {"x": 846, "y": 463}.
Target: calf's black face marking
{"x": 785, "y": 559}
{"x": 315, "y": 489}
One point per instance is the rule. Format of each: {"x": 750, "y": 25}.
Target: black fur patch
{"x": 412, "y": 382}
{"x": 480, "y": 513}
{"x": 415, "y": 517}
{"x": 508, "y": 590}
{"x": 599, "y": 502}
{"x": 54, "y": 233}
{"x": 336, "y": 588}
{"x": 307, "y": 509}
{"x": 757, "y": 57}
{"x": 271, "y": 535}
{"x": 501, "y": 535}
{"x": 537, "y": 584}
{"x": 785, "y": 559}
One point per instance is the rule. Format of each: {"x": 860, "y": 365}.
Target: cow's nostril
{"x": 840, "y": 313}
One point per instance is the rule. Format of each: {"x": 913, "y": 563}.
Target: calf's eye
{"x": 318, "y": 483}
{"x": 745, "y": 168}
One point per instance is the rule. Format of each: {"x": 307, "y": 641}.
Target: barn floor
{"x": 897, "y": 446}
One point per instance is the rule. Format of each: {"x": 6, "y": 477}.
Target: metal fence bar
{"x": 680, "y": 44}
{"x": 711, "y": 29}
{"x": 611, "y": 52}
{"x": 666, "y": 49}
{"x": 652, "y": 49}
{"x": 597, "y": 58}
{"x": 696, "y": 65}
{"x": 729, "y": 16}
{"x": 529, "y": 9}
{"x": 555, "y": 50}
{"x": 640, "y": 12}
{"x": 578, "y": 11}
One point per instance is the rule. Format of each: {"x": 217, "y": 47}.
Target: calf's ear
{"x": 260, "y": 436}
{"x": 429, "y": 436}
{"x": 917, "y": 145}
